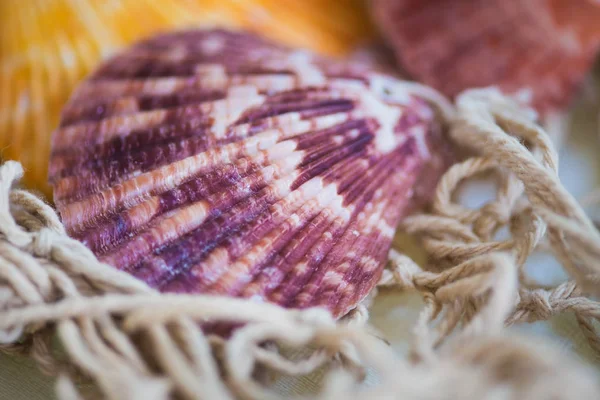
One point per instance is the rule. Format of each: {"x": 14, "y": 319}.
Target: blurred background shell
{"x": 47, "y": 46}
{"x": 547, "y": 46}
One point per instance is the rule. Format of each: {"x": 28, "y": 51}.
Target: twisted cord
{"x": 131, "y": 342}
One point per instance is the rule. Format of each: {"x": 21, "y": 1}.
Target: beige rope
{"x": 130, "y": 342}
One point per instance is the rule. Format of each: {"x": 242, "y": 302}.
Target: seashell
{"x": 546, "y": 46}
{"x": 50, "y": 45}
{"x": 217, "y": 162}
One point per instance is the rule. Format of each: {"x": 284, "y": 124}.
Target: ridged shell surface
{"x": 217, "y": 162}
{"x": 48, "y": 46}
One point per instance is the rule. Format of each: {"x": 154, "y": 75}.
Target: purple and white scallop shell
{"x": 217, "y": 162}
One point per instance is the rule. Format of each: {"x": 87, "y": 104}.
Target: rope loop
{"x": 129, "y": 341}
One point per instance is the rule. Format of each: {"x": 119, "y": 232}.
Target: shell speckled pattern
{"x": 48, "y": 46}
{"x": 216, "y": 162}
{"x": 546, "y": 46}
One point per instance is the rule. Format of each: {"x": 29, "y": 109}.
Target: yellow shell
{"x": 47, "y": 46}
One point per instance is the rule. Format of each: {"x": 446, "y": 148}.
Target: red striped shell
{"x": 216, "y": 162}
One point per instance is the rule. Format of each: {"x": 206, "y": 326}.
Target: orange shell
{"x": 47, "y": 46}
{"x": 544, "y": 45}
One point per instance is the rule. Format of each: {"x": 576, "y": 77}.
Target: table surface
{"x": 394, "y": 313}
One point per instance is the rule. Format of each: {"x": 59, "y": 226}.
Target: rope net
{"x": 105, "y": 334}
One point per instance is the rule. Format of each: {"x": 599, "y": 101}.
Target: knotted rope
{"x": 131, "y": 342}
